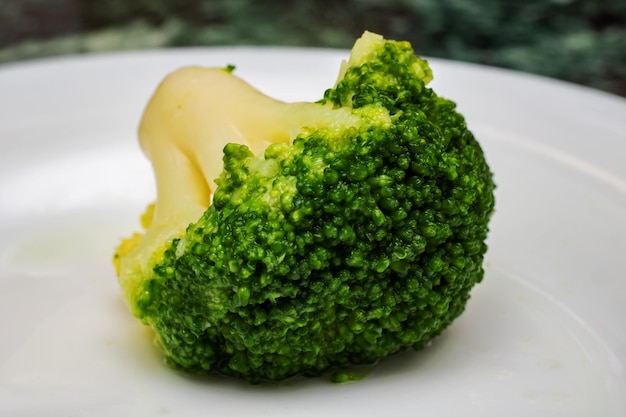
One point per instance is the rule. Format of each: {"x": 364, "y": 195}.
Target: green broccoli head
{"x": 356, "y": 234}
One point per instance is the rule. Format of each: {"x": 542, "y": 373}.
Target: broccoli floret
{"x": 288, "y": 239}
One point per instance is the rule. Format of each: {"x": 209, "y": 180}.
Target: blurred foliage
{"x": 583, "y": 41}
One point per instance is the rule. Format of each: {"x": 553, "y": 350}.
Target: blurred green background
{"x": 582, "y": 41}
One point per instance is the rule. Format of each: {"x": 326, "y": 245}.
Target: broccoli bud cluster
{"x": 350, "y": 243}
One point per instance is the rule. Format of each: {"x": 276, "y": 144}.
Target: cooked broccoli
{"x": 292, "y": 238}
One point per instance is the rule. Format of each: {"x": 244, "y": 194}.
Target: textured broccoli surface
{"x": 358, "y": 237}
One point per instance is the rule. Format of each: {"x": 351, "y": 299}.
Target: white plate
{"x": 543, "y": 335}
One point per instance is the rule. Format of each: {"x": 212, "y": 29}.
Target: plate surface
{"x": 543, "y": 335}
